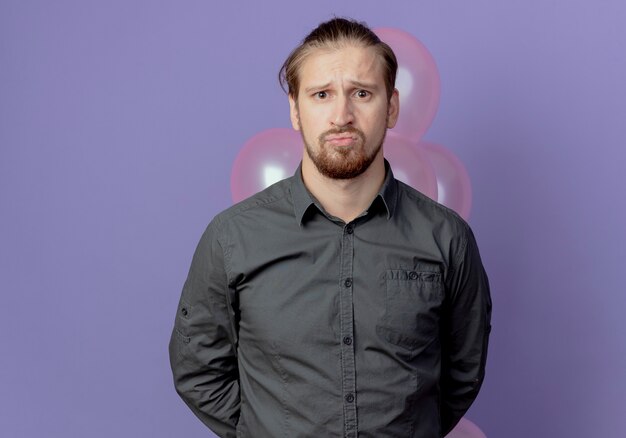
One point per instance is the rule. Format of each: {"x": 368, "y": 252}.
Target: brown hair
{"x": 336, "y": 33}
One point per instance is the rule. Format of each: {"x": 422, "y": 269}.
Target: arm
{"x": 203, "y": 343}
{"x": 466, "y": 327}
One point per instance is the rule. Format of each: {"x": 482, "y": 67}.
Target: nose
{"x": 342, "y": 114}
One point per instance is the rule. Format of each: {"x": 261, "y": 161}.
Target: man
{"x": 338, "y": 302}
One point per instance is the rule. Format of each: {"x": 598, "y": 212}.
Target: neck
{"x": 345, "y": 198}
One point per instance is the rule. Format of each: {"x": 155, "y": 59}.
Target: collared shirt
{"x": 293, "y": 323}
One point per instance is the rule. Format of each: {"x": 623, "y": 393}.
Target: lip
{"x": 340, "y": 139}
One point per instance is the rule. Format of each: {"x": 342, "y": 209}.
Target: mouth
{"x": 340, "y": 139}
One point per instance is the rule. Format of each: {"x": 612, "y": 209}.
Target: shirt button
{"x": 413, "y": 275}
{"x": 350, "y": 229}
{"x": 348, "y": 282}
{"x": 347, "y": 340}
{"x": 184, "y": 311}
{"x": 350, "y": 398}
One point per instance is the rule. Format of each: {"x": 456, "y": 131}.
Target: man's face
{"x": 342, "y": 110}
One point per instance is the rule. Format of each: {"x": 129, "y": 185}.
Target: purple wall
{"x": 119, "y": 122}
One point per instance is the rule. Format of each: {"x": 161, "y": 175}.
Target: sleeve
{"x": 466, "y": 328}
{"x": 202, "y": 347}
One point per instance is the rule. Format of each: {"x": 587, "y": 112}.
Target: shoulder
{"x": 415, "y": 206}
{"x": 272, "y": 199}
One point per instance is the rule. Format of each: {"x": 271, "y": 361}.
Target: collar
{"x": 303, "y": 200}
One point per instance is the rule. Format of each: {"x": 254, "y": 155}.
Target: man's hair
{"x": 335, "y": 34}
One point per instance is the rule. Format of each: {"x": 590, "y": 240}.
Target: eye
{"x": 362, "y": 94}
{"x": 321, "y": 95}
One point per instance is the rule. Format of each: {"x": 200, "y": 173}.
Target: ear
{"x": 293, "y": 113}
{"x": 394, "y": 109}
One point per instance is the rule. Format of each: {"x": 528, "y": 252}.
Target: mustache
{"x": 344, "y": 130}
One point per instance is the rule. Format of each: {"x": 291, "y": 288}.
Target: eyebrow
{"x": 369, "y": 85}
{"x": 358, "y": 84}
{"x": 316, "y": 87}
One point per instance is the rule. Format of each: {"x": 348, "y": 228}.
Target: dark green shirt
{"x": 293, "y": 323}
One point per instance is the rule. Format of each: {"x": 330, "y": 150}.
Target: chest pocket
{"x": 412, "y": 307}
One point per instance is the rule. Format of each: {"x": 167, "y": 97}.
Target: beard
{"x": 344, "y": 162}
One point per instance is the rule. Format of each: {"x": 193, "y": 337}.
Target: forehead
{"x": 345, "y": 63}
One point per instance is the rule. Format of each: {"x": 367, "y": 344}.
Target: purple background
{"x": 119, "y": 124}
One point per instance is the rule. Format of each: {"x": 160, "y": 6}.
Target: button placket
{"x": 348, "y": 371}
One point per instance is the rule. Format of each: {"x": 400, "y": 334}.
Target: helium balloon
{"x": 266, "y": 158}
{"x": 417, "y": 81}
{"x": 454, "y": 189}
{"x": 466, "y": 429}
{"x": 410, "y": 164}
